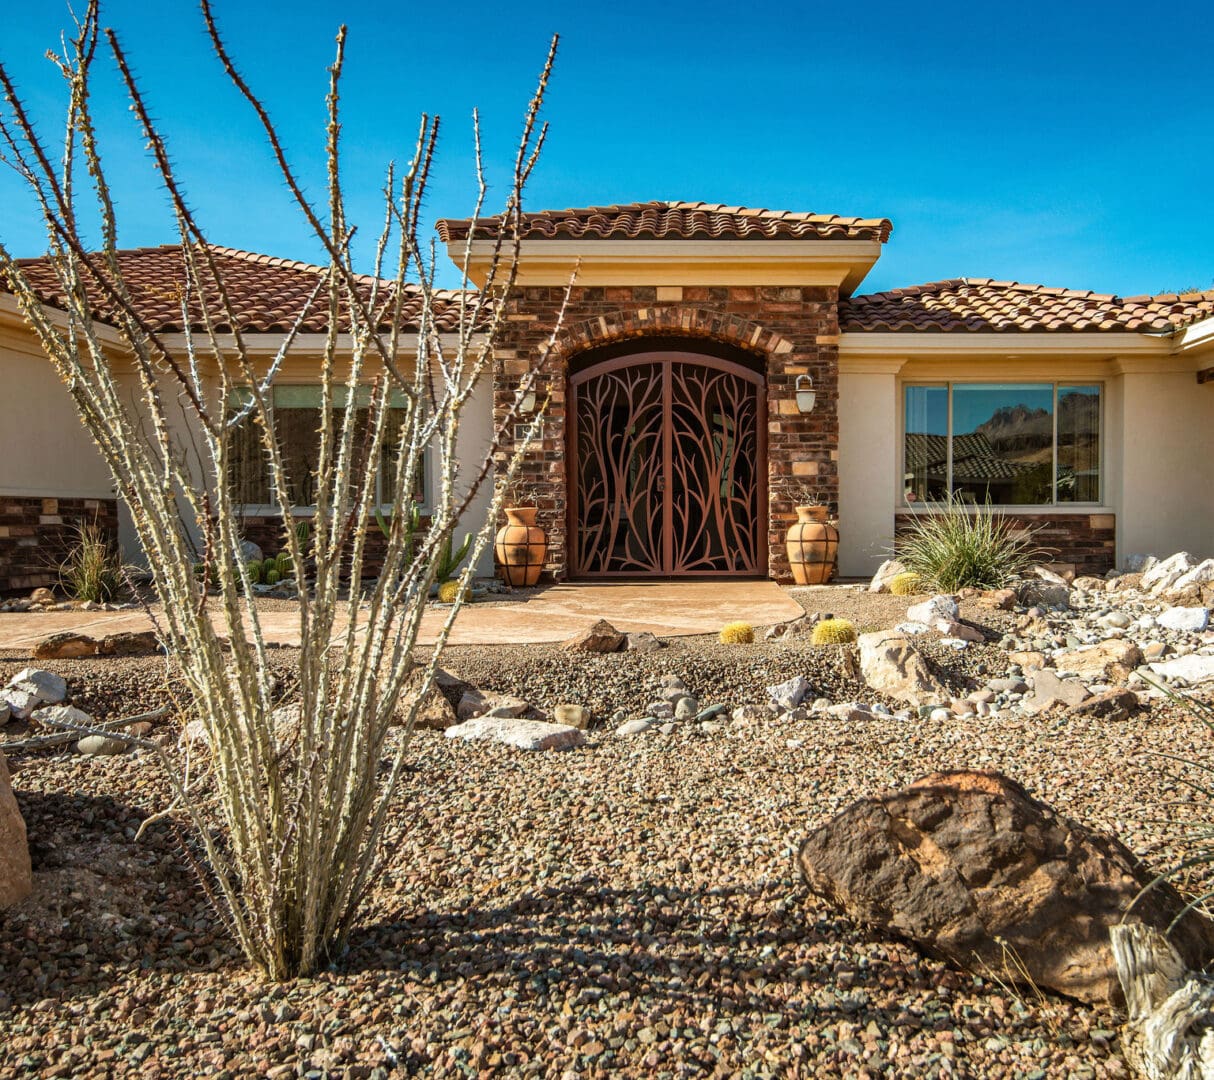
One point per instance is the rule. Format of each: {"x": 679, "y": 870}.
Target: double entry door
{"x": 667, "y": 467}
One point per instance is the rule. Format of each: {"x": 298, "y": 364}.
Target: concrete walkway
{"x": 668, "y": 609}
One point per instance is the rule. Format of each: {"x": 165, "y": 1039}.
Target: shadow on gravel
{"x": 731, "y": 948}
{"x": 103, "y": 905}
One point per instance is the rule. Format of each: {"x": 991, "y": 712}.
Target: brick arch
{"x": 668, "y": 321}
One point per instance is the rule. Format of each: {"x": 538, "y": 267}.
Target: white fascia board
{"x": 948, "y": 346}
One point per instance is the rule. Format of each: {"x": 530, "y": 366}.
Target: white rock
{"x": 939, "y": 608}
{"x": 1164, "y": 575}
{"x": 940, "y": 716}
{"x": 33, "y": 686}
{"x": 5, "y": 712}
{"x": 523, "y": 734}
{"x": 1192, "y": 620}
{"x": 891, "y": 568}
{"x": 912, "y": 628}
{"x": 1138, "y": 564}
{"x": 1193, "y": 668}
{"x": 891, "y": 666}
{"x": 194, "y": 734}
{"x": 790, "y": 694}
{"x": 1117, "y": 619}
{"x": 955, "y": 643}
{"x": 61, "y": 718}
{"x": 1201, "y": 574}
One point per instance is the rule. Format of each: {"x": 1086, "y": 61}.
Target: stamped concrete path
{"x": 668, "y": 609}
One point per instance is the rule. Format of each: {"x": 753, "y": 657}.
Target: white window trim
{"x": 1011, "y": 509}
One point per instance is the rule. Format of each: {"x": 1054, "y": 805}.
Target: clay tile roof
{"x": 980, "y": 305}
{"x": 267, "y": 294}
{"x": 675, "y": 221}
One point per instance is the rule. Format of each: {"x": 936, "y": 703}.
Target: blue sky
{"x": 1062, "y": 143}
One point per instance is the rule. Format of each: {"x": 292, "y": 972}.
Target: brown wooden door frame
{"x": 667, "y": 360}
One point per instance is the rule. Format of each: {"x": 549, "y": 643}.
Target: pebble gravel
{"x": 630, "y": 908}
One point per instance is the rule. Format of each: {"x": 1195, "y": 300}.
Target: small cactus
{"x": 833, "y": 632}
{"x": 273, "y": 577}
{"x": 908, "y": 583}
{"x": 448, "y": 592}
{"x": 254, "y": 572}
{"x": 268, "y": 566}
{"x": 737, "y": 633}
{"x": 283, "y": 563}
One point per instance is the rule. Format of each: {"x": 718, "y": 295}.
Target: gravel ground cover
{"x": 630, "y": 908}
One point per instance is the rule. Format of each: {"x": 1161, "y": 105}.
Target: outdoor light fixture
{"x": 806, "y": 395}
{"x": 526, "y": 404}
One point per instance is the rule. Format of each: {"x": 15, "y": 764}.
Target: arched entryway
{"x": 667, "y": 464}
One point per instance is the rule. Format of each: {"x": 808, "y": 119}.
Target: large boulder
{"x": 16, "y": 874}
{"x": 602, "y": 637}
{"x": 968, "y": 866}
{"x": 890, "y": 665}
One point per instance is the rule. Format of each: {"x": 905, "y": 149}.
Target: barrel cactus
{"x": 737, "y": 633}
{"x": 833, "y": 632}
{"x": 448, "y": 592}
{"x": 908, "y": 583}
{"x": 255, "y": 572}
{"x": 273, "y": 577}
{"x": 282, "y": 563}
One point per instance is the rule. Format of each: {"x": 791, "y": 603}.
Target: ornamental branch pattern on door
{"x": 667, "y": 472}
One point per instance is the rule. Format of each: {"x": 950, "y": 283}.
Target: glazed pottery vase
{"x": 520, "y": 547}
{"x": 813, "y": 545}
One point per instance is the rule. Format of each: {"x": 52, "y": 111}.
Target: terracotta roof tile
{"x": 980, "y": 305}
{"x": 267, "y": 294}
{"x": 675, "y": 221}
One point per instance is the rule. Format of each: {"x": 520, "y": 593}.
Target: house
{"x": 675, "y": 440}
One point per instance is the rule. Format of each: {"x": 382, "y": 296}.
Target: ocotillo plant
{"x": 292, "y": 834}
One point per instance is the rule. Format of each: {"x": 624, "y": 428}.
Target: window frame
{"x": 948, "y": 384}
{"x": 273, "y": 509}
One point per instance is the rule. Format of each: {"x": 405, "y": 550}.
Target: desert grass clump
{"x": 737, "y": 633}
{"x": 93, "y": 569}
{"x": 955, "y": 545}
{"x": 833, "y": 632}
{"x": 907, "y": 583}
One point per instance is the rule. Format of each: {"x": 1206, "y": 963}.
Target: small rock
{"x": 790, "y": 694}
{"x": 1049, "y": 690}
{"x": 61, "y": 718}
{"x": 634, "y": 727}
{"x": 101, "y": 746}
{"x": 602, "y": 637}
{"x": 642, "y": 642}
{"x": 686, "y": 709}
{"x": 475, "y": 703}
{"x": 886, "y": 572}
{"x": 939, "y": 608}
{"x": 1193, "y": 668}
{"x": 131, "y": 643}
{"x": 1162, "y": 576}
{"x": 1111, "y": 705}
{"x": 575, "y": 716}
{"x": 42, "y": 596}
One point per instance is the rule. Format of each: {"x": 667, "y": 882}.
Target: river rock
{"x": 968, "y": 866}
{"x": 523, "y": 734}
{"x": 16, "y": 873}
{"x": 602, "y": 637}
{"x": 101, "y": 746}
{"x": 891, "y": 666}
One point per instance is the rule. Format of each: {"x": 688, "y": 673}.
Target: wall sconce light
{"x": 806, "y": 395}
{"x": 526, "y": 404}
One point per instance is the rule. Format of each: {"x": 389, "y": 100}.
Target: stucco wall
{"x": 1167, "y": 465}
{"x": 44, "y": 449}
{"x": 868, "y": 466}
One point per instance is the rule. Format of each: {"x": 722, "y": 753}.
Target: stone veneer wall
{"x": 1086, "y": 541}
{"x": 36, "y": 533}
{"x": 795, "y": 330}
